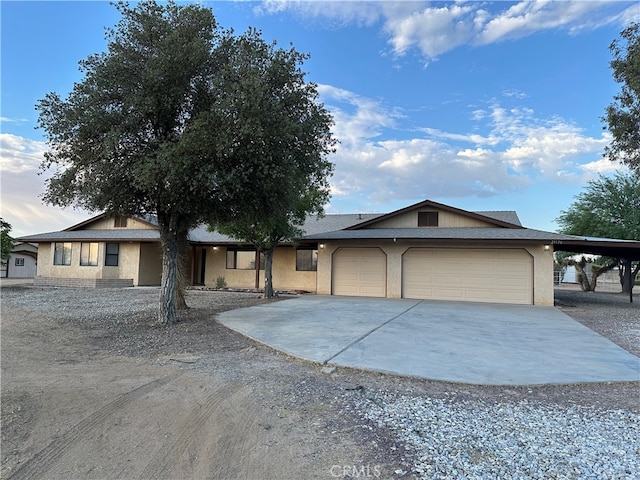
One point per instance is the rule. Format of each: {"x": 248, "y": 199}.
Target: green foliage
{"x": 623, "y": 114}
{"x": 6, "y": 241}
{"x": 609, "y": 207}
{"x": 186, "y": 121}
{"x": 221, "y": 282}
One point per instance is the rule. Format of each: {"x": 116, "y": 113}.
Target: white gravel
{"x": 479, "y": 440}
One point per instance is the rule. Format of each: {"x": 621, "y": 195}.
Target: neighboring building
{"x": 22, "y": 262}
{"x": 427, "y": 250}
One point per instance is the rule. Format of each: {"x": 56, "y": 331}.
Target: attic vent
{"x": 120, "y": 222}
{"x": 427, "y": 219}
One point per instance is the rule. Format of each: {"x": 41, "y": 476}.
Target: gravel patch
{"x": 479, "y": 440}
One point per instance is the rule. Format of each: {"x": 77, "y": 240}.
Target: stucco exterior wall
{"x": 445, "y": 219}
{"x": 285, "y": 276}
{"x": 542, "y": 265}
{"x": 149, "y": 264}
{"x": 45, "y": 260}
{"x": 128, "y": 264}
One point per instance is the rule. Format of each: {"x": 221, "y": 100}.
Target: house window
{"x": 427, "y": 219}
{"x": 120, "y": 222}
{"x": 19, "y": 262}
{"x": 89, "y": 254}
{"x": 243, "y": 259}
{"x": 306, "y": 260}
{"x": 112, "y": 252}
{"x": 62, "y": 253}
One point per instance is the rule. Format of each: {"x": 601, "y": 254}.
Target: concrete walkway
{"x": 477, "y": 343}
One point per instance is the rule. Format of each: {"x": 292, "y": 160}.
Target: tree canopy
{"x": 6, "y": 241}
{"x": 183, "y": 120}
{"x": 623, "y": 114}
{"x": 609, "y": 207}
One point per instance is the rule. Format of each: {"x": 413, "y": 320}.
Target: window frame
{"x": 19, "y": 262}
{"x": 64, "y": 247}
{"x": 233, "y": 264}
{"x": 90, "y": 260}
{"x": 120, "y": 222}
{"x": 428, "y": 219}
{"x": 313, "y": 261}
{"x": 110, "y": 255}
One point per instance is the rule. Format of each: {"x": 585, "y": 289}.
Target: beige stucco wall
{"x": 45, "y": 260}
{"x": 141, "y": 264}
{"x": 285, "y": 276}
{"x": 150, "y": 264}
{"x": 445, "y": 219}
{"x": 542, "y": 264}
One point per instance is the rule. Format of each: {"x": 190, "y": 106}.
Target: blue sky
{"x": 479, "y": 105}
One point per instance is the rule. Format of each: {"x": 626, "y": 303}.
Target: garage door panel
{"x": 359, "y": 272}
{"x": 480, "y": 275}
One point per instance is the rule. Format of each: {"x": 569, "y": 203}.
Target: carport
{"x": 628, "y": 251}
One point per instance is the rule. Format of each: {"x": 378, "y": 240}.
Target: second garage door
{"x": 360, "y": 272}
{"x": 477, "y": 275}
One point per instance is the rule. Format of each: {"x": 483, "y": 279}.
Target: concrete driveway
{"x": 478, "y": 343}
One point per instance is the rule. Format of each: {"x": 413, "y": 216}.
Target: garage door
{"x": 360, "y": 272}
{"x": 476, "y": 275}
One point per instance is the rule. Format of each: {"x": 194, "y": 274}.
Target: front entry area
{"x": 359, "y": 272}
{"x": 472, "y": 275}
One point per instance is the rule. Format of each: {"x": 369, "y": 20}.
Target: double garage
{"x": 496, "y": 275}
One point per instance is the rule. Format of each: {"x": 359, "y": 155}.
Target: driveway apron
{"x": 462, "y": 342}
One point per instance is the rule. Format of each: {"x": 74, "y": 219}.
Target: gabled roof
{"x": 149, "y": 220}
{"x": 497, "y": 219}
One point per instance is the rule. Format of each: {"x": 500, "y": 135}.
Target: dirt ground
{"x": 93, "y": 388}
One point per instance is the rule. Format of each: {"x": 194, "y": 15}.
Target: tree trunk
{"x": 581, "y": 275}
{"x": 183, "y": 247}
{"x": 626, "y": 280}
{"x": 168, "y": 223}
{"x": 268, "y": 273}
{"x": 589, "y": 284}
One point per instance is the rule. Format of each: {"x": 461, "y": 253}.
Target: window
{"x": 19, "y": 262}
{"x": 89, "y": 254}
{"x": 62, "y": 253}
{"x": 427, "y": 219}
{"x": 243, "y": 259}
{"x": 306, "y": 260}
{"x": 111, "y": 254}
{"x": 120, "y": 222}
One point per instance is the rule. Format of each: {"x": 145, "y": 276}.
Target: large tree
{"x": 286, "y": 127}
{"x": 623, "y": 114}
{"x": 609, "y": 207}
{"x": 161, "y": 124}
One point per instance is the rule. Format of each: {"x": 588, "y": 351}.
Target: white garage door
{"x": 360, "y": 272}
{"x": 477, "y": 275}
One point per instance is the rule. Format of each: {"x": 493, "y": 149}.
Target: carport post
{"x": 629, "y": 279}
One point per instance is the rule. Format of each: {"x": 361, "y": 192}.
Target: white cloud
{"x": 340, "y": 13}
{"x": 516, "y": 149}
{"x": 22, "y": 187}
{"x": 18, "y": 154}
{"x": 435, "y": 30}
